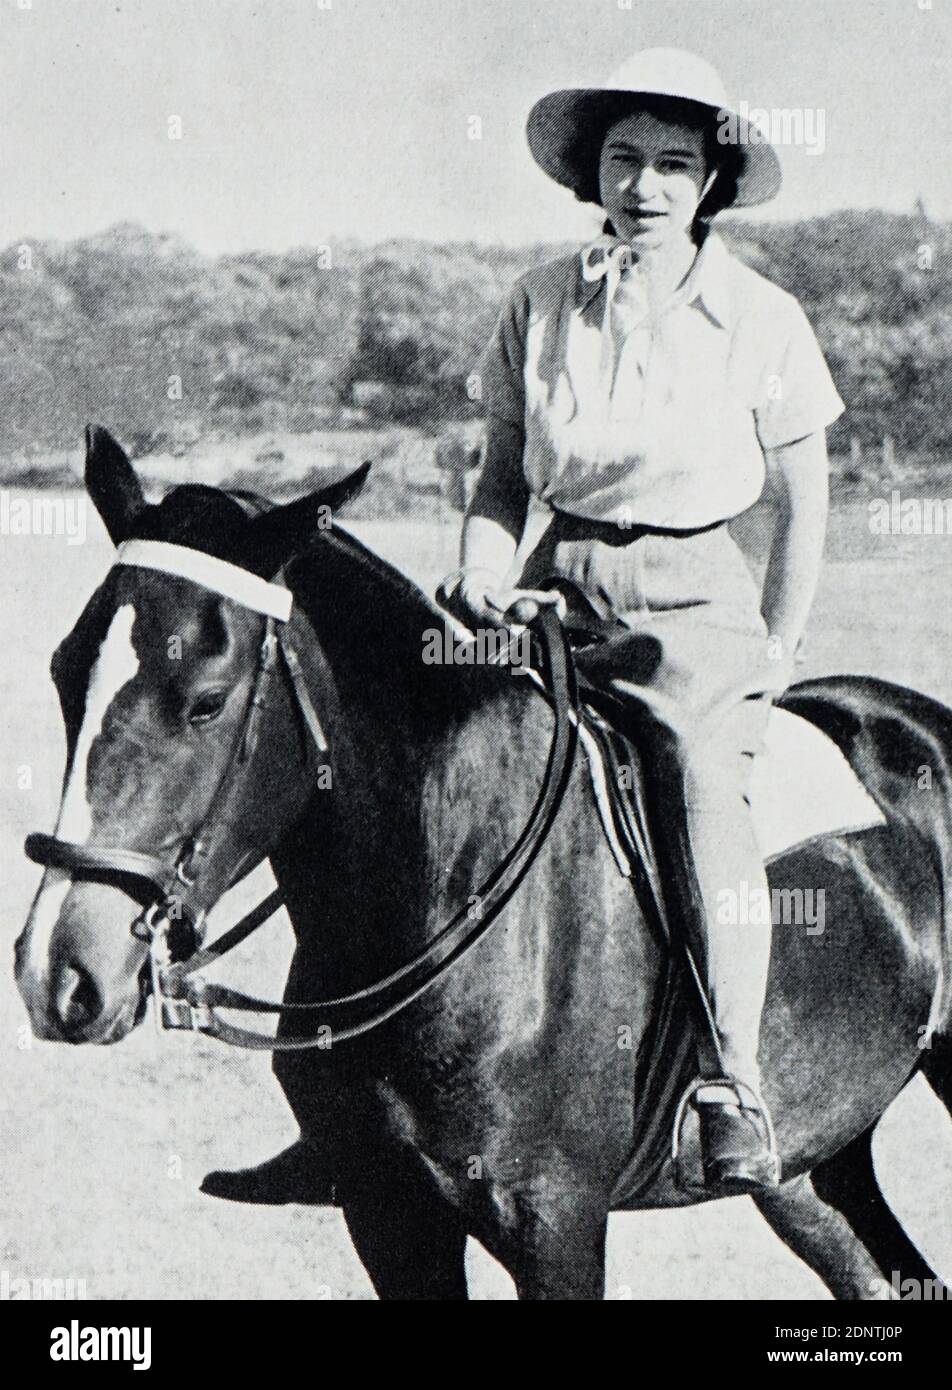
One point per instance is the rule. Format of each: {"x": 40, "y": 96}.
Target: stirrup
{"x": 730, "y": 1083}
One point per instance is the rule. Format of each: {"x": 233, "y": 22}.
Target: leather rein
{"x": 173, "y": 929}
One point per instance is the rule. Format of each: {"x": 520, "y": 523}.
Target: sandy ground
{"x": 103, "y": 1149}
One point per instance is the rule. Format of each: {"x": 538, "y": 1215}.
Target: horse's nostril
{"x": 78, "y": 1001}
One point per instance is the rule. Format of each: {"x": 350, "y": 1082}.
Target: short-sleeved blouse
{"x": 675, "y": 435}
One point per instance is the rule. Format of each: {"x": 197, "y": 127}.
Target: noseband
{"x": 170, "y": 922}
{"x": 174, "y": 929}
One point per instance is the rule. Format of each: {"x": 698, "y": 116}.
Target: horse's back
{"x": 861, "y": 949}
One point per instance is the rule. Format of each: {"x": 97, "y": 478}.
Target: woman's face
{"x": 651, "y": 175}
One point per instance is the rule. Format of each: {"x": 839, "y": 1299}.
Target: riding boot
{"x": 307, "y": 1171}
{"x": 297, "y": 1174}
{"x": 736, "y": 1148}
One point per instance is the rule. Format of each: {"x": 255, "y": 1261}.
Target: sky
{"x": 303, "y": 121}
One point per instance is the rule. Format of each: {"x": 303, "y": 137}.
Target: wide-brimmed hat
{"x": 556, "y": 121}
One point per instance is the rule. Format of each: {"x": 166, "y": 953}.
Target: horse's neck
{"x": 370, "y": 622}
{"x": 436, "y": 770}
{"x": 366, "y": 853}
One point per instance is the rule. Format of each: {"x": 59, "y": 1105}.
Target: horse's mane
{"x": 402, "y": 592}
{"x": 368, "y": 614}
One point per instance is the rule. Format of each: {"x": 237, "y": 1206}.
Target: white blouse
{"x": 655, "y": 419}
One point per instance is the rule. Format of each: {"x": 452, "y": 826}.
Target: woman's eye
{"x": 207, "y": 707}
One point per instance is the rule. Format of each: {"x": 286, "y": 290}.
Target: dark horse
{"x": 499, "y": 1104}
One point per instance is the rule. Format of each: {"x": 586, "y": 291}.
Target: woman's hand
{"x": 785, "y": 671}
{"x": 780, "y": 677}
{"x": 478, "y": 599}
{"x": 522, "y": 605}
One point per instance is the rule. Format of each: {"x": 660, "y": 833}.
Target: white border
{"x": 240, "y": 585}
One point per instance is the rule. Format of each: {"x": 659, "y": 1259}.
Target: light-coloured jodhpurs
{"x": 694, "y": 655}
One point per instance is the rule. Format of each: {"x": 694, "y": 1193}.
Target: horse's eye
{"x": 207, "y": 707}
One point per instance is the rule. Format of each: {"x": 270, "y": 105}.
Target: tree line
{"x": 165, "y": 344}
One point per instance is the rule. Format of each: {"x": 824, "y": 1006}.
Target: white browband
{"x": 218, "y": 575}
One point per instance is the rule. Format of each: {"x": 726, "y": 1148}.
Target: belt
{"x": 570, "y": 527}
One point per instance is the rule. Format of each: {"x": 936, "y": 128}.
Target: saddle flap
{"x": 803, "y": 787}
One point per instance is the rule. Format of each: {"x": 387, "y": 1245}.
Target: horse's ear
{"x": 111, "y": 483}
{"x": 279, "y": 535}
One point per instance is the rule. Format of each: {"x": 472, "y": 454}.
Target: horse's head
{"x": 185, "y": 756}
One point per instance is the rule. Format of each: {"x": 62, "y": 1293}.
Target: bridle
{"x": 172, "y": 920}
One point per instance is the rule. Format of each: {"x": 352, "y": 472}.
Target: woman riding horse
{"x": 638, "y": 390}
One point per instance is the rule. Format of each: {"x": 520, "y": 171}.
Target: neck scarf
{"x": 609, "y": 258}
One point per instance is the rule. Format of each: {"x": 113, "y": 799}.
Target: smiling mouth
{"x": 642, "y": 214}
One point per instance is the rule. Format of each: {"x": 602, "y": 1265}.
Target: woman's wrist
{"x": 477, "y": 574}
{"x": 477, "y": 569}
{"x": 466, "y": 582}
{"x": 487, "y": 550}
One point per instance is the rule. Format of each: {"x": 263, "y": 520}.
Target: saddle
{"x": 802, "y": 788}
